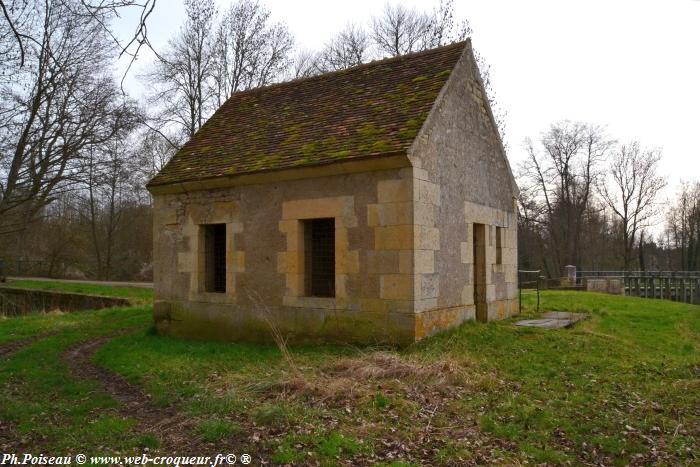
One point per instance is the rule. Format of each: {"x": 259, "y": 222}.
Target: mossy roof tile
{"x": 371, "y": 110}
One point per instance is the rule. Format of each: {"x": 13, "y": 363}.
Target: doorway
{"x": 479, "y": 242}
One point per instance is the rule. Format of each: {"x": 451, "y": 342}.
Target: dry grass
{"x": 280, "y": 339}
{"x": 351, "y": 378}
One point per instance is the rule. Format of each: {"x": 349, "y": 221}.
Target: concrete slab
{"x": 553, "y": 320}
{"x": 565, "y": 315}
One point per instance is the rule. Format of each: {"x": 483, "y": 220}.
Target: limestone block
{"x": 427, "y": 286}
{"x": 347, "y": 221}
{"x": 509, "y": 256}
{"x": 341, "y": 285}
{"x": 511, "y": 273}
{"x": 374, "y": 304}
{"x": 373, "y": 215}
{"x": 165, "y": 216}
{"x": 389, "y": 214}
{"x": 466, "y": 252}
{"x": 424, "y": 261}
{"x": 425, "y": 304}
{"x": 396, "y": 286}
{"x": 469, "y": 273}
{"x": 468, "y": 294}
{"x": 428, "y": 192}
{"x": 424, "y": 214}
{"x": 490, "y": 292}
{"x": 234, "y": 227}
{"x": 316, "y": 208}
{"x": 394, "y": 237}
{"x": 406, "y": 261}
{"x": 235, "y": 261}
{"x": 427, "y": 238}
{"x": 341, "y": 239}
{"x": 400, "y": 306}
{"x": 477, "y": 213}
{"x": 383, "y": 262}
{"x": 295, "y": 285}
{"x": 184, "y": 262}
{"x": 420, "y": 174}
{"x": 511, "y": 290}
{"x": 511, "y": 237}
{"x": 287, "y": 262}
{"x": 295, "y": 237}
{"x": 224, "y": 212}
{"x": 347, "y": 262}
{"x": 289, "y": 225}
{"x": 393, "y": 191}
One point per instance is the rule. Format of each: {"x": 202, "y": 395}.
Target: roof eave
{"x": 375, "y": 162}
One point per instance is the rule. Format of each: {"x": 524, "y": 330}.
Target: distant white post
{"x": 569, "y": 279}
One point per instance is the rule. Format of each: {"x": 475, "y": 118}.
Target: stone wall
{"x": 458, "y": 155}
{"x": 374, "y": 240}
{"x": 16, "y": 301}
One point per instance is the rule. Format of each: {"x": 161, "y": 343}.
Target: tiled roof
{"x": 370, "y": 110}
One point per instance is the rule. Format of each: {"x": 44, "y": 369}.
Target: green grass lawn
{"x": 622, "y": 387}
{"x": 137, "y": 295}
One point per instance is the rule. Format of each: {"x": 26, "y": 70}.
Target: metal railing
{"x": 623, "y": 274}
{"x": 531, "y": 282}
{"x": 680, "y": 286}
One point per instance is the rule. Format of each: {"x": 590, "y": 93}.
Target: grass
{"x": 621, "y": 387}
{"x": 138, "y": 295}
{"x": 39, "y": 395}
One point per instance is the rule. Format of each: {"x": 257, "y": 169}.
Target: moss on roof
{"x": 366, "y": 111}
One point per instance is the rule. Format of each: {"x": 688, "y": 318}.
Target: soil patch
{"x": 176, "y": 432}
{"x": 8, "y": 348}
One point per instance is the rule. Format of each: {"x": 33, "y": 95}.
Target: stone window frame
{"x": 290, "y": 262}
{"x": 198, "y": 290}
{"x": 201, "y": 214}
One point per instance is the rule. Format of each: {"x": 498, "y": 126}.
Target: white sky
{"x": 632, "y": 65}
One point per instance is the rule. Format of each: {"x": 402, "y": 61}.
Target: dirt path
{"x": 8, "y": 348}
{"x": 176, "y": 432}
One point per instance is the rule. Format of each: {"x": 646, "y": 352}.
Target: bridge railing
{"x": 681, "y": 286}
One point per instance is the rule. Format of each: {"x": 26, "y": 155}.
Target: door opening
{"x": 479, "y": 242}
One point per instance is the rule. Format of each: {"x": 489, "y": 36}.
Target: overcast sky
{"x": 633, "y": 66}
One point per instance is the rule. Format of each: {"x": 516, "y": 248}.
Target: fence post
{"x": 696, "y": 300}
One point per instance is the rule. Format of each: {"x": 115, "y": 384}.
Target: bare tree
{"x": 16, "y": 20}
{"x": 249, "y": 51}
{"x": 683, "y": 227}
{"x": 304, "y": 64}
{"x": 180, "y": 75}
{"x": 561, "y": 176}
{"x": 633, "y": 185}
{"x": 444, "y": 28}
{"x": 59, "y": 104}
{"x": 348, "y": 48}
{"x": 400, "y": 30}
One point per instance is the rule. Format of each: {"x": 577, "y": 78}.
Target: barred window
{"x": 319, "y": 248}
{"x": 215, "y": 258}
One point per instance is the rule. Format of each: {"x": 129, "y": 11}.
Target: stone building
{"x": 374, "y": 204}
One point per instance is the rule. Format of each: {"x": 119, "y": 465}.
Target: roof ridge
{"x": 459, "y": 44}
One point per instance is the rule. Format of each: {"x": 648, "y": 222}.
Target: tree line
{"x": 76, "y": 150}
{"x": 593, "y": 202}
